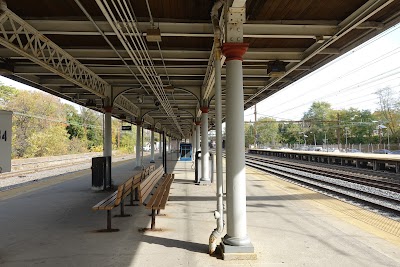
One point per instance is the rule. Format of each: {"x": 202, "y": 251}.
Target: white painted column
{"x": 205, "y": 155}
{"x": 138, "y": 145}
{"x": 197, "y": 136}
{"x": 235, "y": 147}
{"x": 160, "y": 147}
{"x": 107, "y": 146}
{"x": 152, "y": 146}
{"x": 193, "y": 141}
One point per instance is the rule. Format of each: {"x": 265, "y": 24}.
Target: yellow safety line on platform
{"x": 366, "y": 220}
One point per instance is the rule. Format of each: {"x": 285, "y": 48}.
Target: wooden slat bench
{"x": 129, "y": 187}
{"x": 154, "y": 192}
{"x": 160, "y": 198}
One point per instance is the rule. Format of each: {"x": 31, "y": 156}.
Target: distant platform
{"x": 376, "y": 162}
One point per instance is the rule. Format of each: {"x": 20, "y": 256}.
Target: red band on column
{"x": 204, "y": 109}
{"x": 108, "y": 109}
{"x": 234, "y": 51}
{"x": 198, "y": 122}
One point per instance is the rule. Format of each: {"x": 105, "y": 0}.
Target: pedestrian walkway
{"x": 53, "y": 225}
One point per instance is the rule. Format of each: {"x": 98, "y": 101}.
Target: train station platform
{"x": 51, "y": 223}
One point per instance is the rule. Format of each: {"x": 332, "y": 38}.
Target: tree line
{"x": 44, "y": 126}
{"x": 322, "y": 125}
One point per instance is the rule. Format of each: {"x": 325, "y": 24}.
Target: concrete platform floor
{"x": 52, "y": 224}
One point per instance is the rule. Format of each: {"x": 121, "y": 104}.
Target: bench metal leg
{"x": 109, "y": 229}
{"x": 108, "y": 220}
{"x": 153, "y": 219}
{"x": 136, "y": 194}
{"x": 122, "y": 208}
{"x": 131, "y": 198}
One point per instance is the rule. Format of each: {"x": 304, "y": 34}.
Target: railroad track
{"x": 378, "y": 189}
{"x": 46, "y": 165}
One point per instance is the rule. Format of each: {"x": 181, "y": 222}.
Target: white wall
{"x": 5, "y": 140}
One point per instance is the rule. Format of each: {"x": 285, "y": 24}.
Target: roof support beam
{"x": 267, "y": 29}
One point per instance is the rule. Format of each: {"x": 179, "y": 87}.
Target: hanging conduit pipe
{"x": 218, "y": 214}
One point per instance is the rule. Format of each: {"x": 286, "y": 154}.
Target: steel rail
{"x": 388, "y": 198}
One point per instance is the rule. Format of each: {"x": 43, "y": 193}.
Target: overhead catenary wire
{"x": 376, "y": 78}
{"x": 109, "y": 43}
{"x": 137, "y": 49}
{"x": 334, "y": 80}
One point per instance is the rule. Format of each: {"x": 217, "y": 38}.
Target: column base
{"x": 152, "y": 161}
{"x": 138, "y": 167}
{"x": 206, "y": 182}
{"x": 237, "y": 252}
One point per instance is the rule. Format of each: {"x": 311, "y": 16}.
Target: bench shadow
{"x": 183, "y": 181}
{"x": 173, "y": 243}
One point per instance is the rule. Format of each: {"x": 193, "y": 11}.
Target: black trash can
{"x": 197, "y": 167}
{"x": 101, "y": 173}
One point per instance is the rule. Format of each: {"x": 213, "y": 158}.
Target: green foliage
{"x": 53, "y": 141}
{"x": 128, "y": 141}
{"x": 77, "y": 145}
{"x": 92, "y": 124}
{"x": 267, "y": 130}
{"x": 6, "y": 94}
{"x": 34, "y": 114}
{"x": 322, "y": 125}
{"x": 75, "y": 127}
{"x": 389, "y": 111}
{"x": 290, "y": 133}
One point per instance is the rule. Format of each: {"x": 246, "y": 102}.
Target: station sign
{"x": 126, "y": 128}
{"x": 5, "y": 140}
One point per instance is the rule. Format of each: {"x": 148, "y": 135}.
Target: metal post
{"x": 218, "y": 131}
{"x": 153, "y": 219}
{"x": 235, "y": 149}
{"x": 165, "y": 152}
{"x": 152, "y": 146}
{"x": 138, "y": 145}
{"x": 205, "y": 155}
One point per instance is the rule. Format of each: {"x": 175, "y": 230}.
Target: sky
{"x": 349, "y": 81}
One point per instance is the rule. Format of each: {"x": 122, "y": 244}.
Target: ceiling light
{"x": 169, "y": 89}
{"x": 153, "y": 35}
{"x": 276, "y": 68}
{"x": 91, "y": 103}
{"x": 156, "y": 102}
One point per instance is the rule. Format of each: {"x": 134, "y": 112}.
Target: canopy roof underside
{"x": 303, "y": 34}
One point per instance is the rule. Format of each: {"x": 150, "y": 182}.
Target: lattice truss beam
{"x": 30, "y": 43}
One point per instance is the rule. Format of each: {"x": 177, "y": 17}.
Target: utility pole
{"x": 255, "y": 127}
